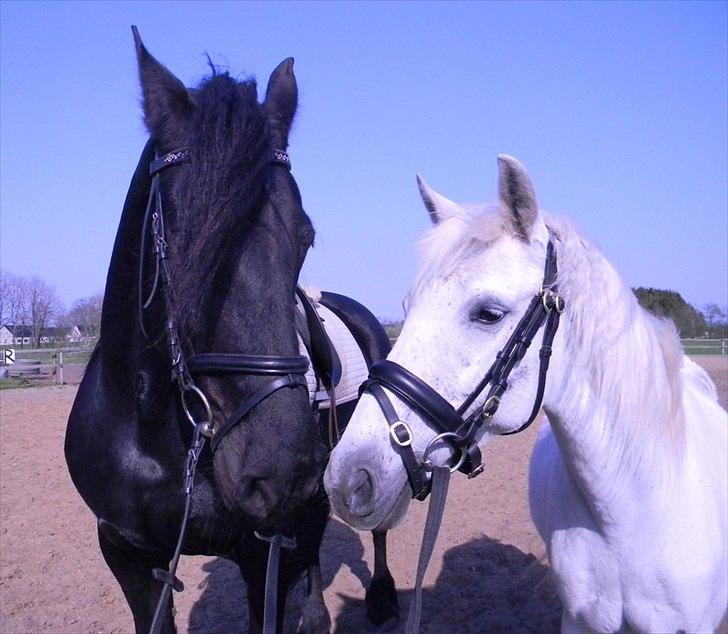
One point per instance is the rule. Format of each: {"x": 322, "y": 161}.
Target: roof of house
{"x": 19, "y": 331}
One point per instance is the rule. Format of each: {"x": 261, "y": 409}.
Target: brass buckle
{"x": 393, "y": 434}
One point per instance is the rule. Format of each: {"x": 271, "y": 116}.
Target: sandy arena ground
{"x": 488, "y": 573}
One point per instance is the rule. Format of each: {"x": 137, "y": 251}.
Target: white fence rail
{"x": 705, "y": 346}
{"x": 690, "y": 346}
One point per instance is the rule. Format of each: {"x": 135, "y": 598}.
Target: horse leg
{"x": 134, "y": 575}
{"x": 569, "y": 625}
{"x": 314, "y": 615}
{"x": 381, "y": 597}
{"x": 255, "y": 581}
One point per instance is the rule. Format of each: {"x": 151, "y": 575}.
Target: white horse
{"x": 629, "y": 474}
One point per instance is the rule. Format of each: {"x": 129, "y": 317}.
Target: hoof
{"x": 381, "y": 601}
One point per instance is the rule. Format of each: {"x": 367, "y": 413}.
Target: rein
{"x": 289, "y": 372}
{"x": 452, "y": 424}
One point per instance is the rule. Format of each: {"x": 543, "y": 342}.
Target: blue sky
{"x": 618, "y": 110}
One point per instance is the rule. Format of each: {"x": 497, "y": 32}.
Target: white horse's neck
{"x": 615, "y": 399}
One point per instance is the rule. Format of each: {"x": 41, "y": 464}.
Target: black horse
{"x": 235, "y": 236}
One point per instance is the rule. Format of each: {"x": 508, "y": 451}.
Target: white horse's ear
{"x": 517, "y": 196}
{"x": 439, "y": 207}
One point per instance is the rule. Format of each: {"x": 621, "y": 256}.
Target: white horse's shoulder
{"x": 585, "y": 569}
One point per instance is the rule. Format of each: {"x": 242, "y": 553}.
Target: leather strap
{"x": 401, "y": 439}
{"x": 270, "y": 605}
{"x": 290, "y": 380}
{"x": 279, "y": 157}
{"x": 440, "y": 485}
{"x": 416, "y": 393}
{"x": 169, "y": 577}
{"x": 552, "y": 326}
{"x": 424, "y": 400}
{"x": 164, "y": 576}
{"x": 233, "y": 363}
{"x": 175, "y": 157}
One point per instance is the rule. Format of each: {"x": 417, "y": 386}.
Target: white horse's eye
{"x": 488, "y": 315}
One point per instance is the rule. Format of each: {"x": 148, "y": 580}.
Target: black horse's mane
{"x": 219, "y": 196}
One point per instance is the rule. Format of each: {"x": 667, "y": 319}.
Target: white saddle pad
{"x": 353, "y": 365}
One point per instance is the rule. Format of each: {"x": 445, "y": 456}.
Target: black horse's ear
{"x": 281, "y": 100}
{"x": 167, "y": 103}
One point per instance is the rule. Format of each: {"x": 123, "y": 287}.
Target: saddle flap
{"x": 324, "y": 357}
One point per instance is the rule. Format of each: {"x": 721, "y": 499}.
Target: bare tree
{"x": 86, "y": 313}
{"x": 43, "y": 306}
{"x": 13, "y": 299}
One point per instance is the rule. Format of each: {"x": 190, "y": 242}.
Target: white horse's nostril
{"x": 359, "y": 493}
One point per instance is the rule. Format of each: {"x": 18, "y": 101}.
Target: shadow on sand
{"x": 222, "y": 606}
{"x": 484, "y": 586}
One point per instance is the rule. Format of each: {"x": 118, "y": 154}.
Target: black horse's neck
{"x": 119, "y": 323}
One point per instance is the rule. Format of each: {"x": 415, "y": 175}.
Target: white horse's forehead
{"x": 507, "y": 269}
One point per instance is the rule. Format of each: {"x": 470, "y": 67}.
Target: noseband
{"x": 451, "y": 424}
{"x": 289, "y": 371}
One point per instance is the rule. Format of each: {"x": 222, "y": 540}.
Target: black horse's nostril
{"x": 359, "y": 495}
{"x": 259, "y": 496}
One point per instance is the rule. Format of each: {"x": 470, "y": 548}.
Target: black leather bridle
{"x": 288, "y": 372}
{"x": 452, "y": 424}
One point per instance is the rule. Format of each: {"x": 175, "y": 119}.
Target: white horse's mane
{"x": 632, "y": 359}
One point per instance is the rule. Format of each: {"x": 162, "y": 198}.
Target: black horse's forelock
{"x": 222, "y": 190}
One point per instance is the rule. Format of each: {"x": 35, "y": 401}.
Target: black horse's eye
{"x": 488, "y": 315}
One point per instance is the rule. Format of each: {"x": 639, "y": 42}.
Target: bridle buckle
{"x": 552, "y": 301}
{"x": 476, "y": 472}
{"x": 490, "y": 406}
{"x": 400, "y": 424}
